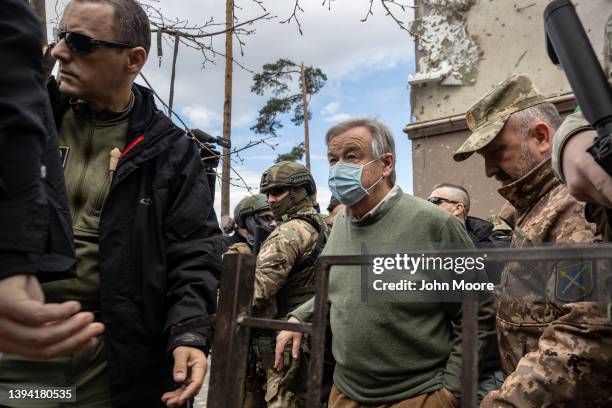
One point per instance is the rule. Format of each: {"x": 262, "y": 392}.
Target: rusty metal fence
{"x": 234, "y": 321}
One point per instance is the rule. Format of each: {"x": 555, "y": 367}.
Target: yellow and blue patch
{"x": 574, "y": 281}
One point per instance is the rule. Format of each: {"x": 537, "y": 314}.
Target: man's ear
{"x": 541, "y": 134}
{"x": 389, "y": 164}
{"x": 459, "y": 210}
{"x": 137, "y": 57}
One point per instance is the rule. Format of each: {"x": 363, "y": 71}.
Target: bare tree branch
{"x": 184, "y": 31}
{"x": 293, "y": 16}
{"x": 400, "y": 23}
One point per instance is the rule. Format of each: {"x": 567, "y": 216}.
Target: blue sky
{"x": 367, "y": 64}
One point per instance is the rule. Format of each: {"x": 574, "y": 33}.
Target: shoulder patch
{"x": 574, "y": 281}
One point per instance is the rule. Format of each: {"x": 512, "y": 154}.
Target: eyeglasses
{"x": 276, "y": 191}
{"x": 81, "y": 43}
{"x": 438, "y": 200}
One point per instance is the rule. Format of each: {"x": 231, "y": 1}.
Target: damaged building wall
{"x": 466, "y": 47}
{"x": 447, "y": 53}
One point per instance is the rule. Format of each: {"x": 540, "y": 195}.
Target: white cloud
{"x": 202, "y": 117}
{"x": 338, "y": 117}
{"x": 330, "y": 108}
{"x": 331, "y": 113}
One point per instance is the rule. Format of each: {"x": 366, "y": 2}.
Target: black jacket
{"x": 35, "y": 225}
{"x": 482, "y": 235}
{"x": 159, "y": 252}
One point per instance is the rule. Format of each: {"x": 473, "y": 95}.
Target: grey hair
{"x": 382, "y": 138}
{"x": 524, "y": 119}
{"x": 462, "y": 192}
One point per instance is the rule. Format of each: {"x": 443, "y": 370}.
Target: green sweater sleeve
{"x": 454, "y": 235}
{"x": 304, "y": 312}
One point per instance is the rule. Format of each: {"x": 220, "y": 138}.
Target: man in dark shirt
{"x": 35, "y": 234}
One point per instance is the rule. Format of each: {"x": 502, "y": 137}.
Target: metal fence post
{"x": 231, "y": 344}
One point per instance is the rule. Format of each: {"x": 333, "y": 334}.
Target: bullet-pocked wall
{"x": 464, "y": 48}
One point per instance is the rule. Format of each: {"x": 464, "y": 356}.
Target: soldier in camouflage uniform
{"x": 284, "y": 274}
{"x": 556, "y": 350}
{"x": 254, "y": 216}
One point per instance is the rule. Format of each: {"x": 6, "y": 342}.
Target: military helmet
{"x": 238, "y": 207}
{"x": 250, "y": 206}
{"x": 287, "y": 174}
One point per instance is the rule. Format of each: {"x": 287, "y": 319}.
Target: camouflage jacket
{"x": 556, "y": 351}
{"x": 287, "y": 246}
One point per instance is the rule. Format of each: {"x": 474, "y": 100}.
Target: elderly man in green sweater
{"x": 391, "y": 354}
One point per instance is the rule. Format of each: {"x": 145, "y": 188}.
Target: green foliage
{"x": 294, "y": 155}
{"x": 278, "y": 78}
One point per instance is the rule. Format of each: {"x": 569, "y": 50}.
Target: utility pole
{"x": 177, "y": 40}
{"x": 305, "y": 101}
{"x": 39, "y": 9}
{"x": 227, "y": 107}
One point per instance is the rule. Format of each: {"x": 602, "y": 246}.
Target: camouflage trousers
{"x": 277, "y": 393}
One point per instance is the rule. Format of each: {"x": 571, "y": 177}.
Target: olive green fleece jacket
{"x": 386, "y": 351}
{"x": 87, "y": 138}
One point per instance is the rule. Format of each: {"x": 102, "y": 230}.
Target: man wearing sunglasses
{"x": 455, "y": 200}
{"x": 145, "y": 233}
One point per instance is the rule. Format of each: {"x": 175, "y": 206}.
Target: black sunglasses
{"x": 438, "y": 200}
{"x": 81, "y": 43}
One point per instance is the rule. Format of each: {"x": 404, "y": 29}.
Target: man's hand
{"x": 189, "y": 369}
{"x": 32, "y": 329}
{"x": 284, "y": 338}
{"x": 585, "y": 179}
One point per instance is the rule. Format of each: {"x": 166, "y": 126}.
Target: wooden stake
{"x": 306, "y": 134}
{"x": 177, "y": 38}
{"x": 227, "y": 107}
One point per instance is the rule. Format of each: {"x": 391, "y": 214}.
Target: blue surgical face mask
{"x": 345, "y": 182}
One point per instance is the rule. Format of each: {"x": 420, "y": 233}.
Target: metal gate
{"x": 234, "y": 321}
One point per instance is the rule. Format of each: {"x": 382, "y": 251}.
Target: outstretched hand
{"x": 33, "y": 329}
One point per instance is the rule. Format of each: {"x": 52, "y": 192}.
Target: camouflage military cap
{"x": 487, "y": 117}
{"x": 250, "y": 206}
{"x": 287, "y": 174}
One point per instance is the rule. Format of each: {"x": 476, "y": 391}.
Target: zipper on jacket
{"x": 98, "y": 203}
{"x": 87, "y": 157}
